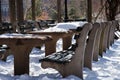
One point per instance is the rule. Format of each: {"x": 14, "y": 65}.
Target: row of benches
{"x": 91, "y": 41}
{"x": 25, "y": 26}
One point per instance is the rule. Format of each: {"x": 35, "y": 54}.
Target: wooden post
{"x": 20, "y": 16}
{"x": 59, "y": 10}
{"x": 12, "y": 10}
{"x": 12, "y": 13}
{"x": 89, "y": 10}
{"x": 67, "y": 41}
{"x": 33, "y": 9}
{"x": 48, "y": 49}
{"x": 66, "y": 13}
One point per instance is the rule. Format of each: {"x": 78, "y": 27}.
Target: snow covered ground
{"x": 106, "y": 68}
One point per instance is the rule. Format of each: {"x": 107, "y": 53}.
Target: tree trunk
{"x": 89, "y": 10}
{"x": 59, "y": 10}
{"x": 33, "y": 9}
{"x": 12, "y": 13}
{"x": 66, "y": 12}
{"x": 12, "y": 10}
{"x": 20, "y": 14}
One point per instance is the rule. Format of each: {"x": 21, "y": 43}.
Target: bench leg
{"x": 67, "y": 42}
{"x": 21, "y": 58}
{"x": 50, "y": 47}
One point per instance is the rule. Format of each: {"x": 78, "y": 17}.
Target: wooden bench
{"x": 104, "y": 38}
{"x": 42, "y": 24}
{"x": 101, "y": 37}
{"x": 115, "y": 27}
{"x": 5, "y": 27}
{"x": 107, "y": 35}
{"x": 27, "y": 26}
{"x": 111, "y": 33}
{"x": 50, "y": 23}
{"x": 97, "y": 42}
{"x": 23, "y": 28}
{"x": 90, "y": 46}
{"x": 3, "y": 51}
{"x": 69, "y": 62}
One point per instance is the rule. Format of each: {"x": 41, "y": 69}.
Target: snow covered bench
{"x": 43, "y": 24}
{"x": 5, "y": 27}
{"x": 91, "y": 45}
{"x": 97, "y": 42}
{"x": 26, "y": 26}
{"x": 23, "y": 28}
{"x": 114, "y": 28}
{"x": 3, "y": 51}
{"x": 107, "y": 36}
{"x": 62, "y": 56}
{"x": 69, "y": 62}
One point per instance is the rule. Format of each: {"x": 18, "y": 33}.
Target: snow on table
{"x": 64, "y": 27}
{"x": 18, "y": 35}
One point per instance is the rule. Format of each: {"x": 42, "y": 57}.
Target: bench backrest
{"x": 70, "y": 62}
{"x": 82, "y": 41}
{"x": 78, "y": 59}
{"x": 90, "y": 45}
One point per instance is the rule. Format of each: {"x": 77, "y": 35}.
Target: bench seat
{"x": 61, "y": 56}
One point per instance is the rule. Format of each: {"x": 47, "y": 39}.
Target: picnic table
{"x": 66, "y": 36}
{"x": 21, "y": 46}
{"x": 61, "y": 30}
